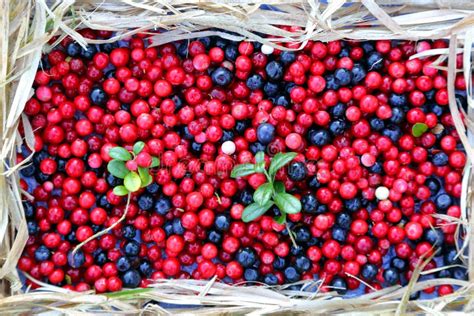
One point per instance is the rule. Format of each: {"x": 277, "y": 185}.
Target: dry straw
{"x": 28, "y": 25}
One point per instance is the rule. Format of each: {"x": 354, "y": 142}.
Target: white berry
{"x": 267, "y": 50}
{"x": 228, "y": 147}
{"x": 382, "y": 193}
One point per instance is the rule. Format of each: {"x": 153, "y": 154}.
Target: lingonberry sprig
{"x": 133, "y": 167}
{"x": 270, "y": 193}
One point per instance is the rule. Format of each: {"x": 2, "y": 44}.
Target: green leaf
{"x": 132, "y": 182}
{"x": 280, "y": 219}
{"x": 155, "y": 162}
{"x": 138, "y": 147}
{"x": 419, "y": 129}
{"x": 279, "y": 161}
{"x": 263, "y": 193}
{"x": 279, "y": 187}
{"x": 287, "y": 203}
{"x": 254, "y": 211}
{"x": 117, "y": 168}
{"x": 242, "y": 170}
{"x": 260, "y": 167}
{"x": 120, "y": 190}
{"x": 120, "y": 153}
{"x": 145, "y": 177}
{"x": 260, "y": 157}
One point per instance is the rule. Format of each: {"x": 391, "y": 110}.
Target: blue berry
{"x": 221, "y": 76}
{"x": 291, "y": 275}
{"x": 145, "y": 202}
{"x": 443, "y": 202}
{"x": 343, "y": 76}
{"x": 440, "y": 159}
{"x": 309, "y": 203}
{"x": 251, "y": 275}
{"x": 42, "y": 253}
{"x": 132, "y": 248}
{"x": 369, "y": 271}
{"x": 246, "y": 257}
{"x": 265, "y": 133}
{"x": 98, "y": 96}
{"x": 131, "y": 279}
{"x": 254, "y": 82}
{"x": 123, "y": 264}
{"x": 77, "y": 259}
{"x": 162, "y": 205}
{"x": 339, "y": 285}
{"x": 319, "y": 137}
{"x": 274, "y": 70}
{"x": 391, "y": 276}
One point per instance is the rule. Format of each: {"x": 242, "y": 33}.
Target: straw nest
{"x": 28, "y": 25}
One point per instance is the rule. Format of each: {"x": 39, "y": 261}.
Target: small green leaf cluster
{"x": 270, "y": 193}
{"x": 132, "y": 180}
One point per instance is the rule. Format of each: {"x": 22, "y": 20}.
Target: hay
{"x": 28, "y": 25}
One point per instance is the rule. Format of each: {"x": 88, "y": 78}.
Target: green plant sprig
{"x": 132, "y": 180}
{"x": 270, "y": 193}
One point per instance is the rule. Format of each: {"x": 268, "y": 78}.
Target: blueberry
{"x": 434, "y": 185}
{"x": 88, "y": 52}
{"x": 397, "y": 100}
{"x": 302, "y": 234}
{"x": 73, "y": 49}
{"x": 227, "y": 135}
{"x": 313, "y": 183}
{"x": 33, "y": 228}
{"x": 437, "y": 110}
{"x": 376, "y": 168}
{"x": 279, "y": 263}
{"x": 241, "y": 126}
{"x": 271, "y": 89}
{"x": 319, "y": 137}
{"x": 331, "y": 82}
{"x": 222, "y": 222}
{"x": 178, "y": 229}
{"x": 221, "y": 76}
{"x": 250, "y": 275}
{"x": 132, "y": 248}
{"x": 153, "y": 188}
{"x": 98, "y": 96}
{"x": 246, "y": 197}
{"x": 282, "y": 100}
{"x": 343, "y": 76}
{"x": 145, "y": 202}
{"x": 265, "y": 133}
{"x": 302, "y": 264}
{"x": 270, "y": 279}
{"x": 107, "y": 47}
{"x": 246, "y": 257}
{"x": 391, "y": 276}
{"x": 297, "y": 171}
{"x": 339, "y": 234}
{"x": 289, "y": 87}
{"x": 459, "y": 273}
{"x": 338, "y": 111}
{"x": 103, "y": 202}
{"x": 168, "y": 229}
{"x": 145, "y": 268}
{"x": 113, "y": 181}
{"x": 274, "y": 70}
{"x": 77, "y": 259}
{"x": 123, "y": 264}
{"x": 337, "y": 127}
{"x": 100, "y": 258}
{"x": 434, "y": 236}
{"x": 369, "y": 271}
{"x": 214, "y": 236}
{"x": 398, "y": 264}
{"x": 377, "y": 124}
{"x": 254, "y": 82}
{"x": 296, "y": 250}
{"x": 291, "y": 275}
{"x": 231, "y": 52}
{"x": 344, "y": 220}
{"x": 71, "y": 237}
{"x": 287, "y": 57}
{"x": 41, "y": 177}
{"x": 450, "y": 256}
{"x": 309, "y": 203}
{"x": 443, "y": 202}
{"x": 196, "y": 147}
{"x": 256, "y": 147}
{"x": 445, "y": 273}
{"x": 368, "y": 46}
{"x": 28, "y": 171}
{"x": 339, "y": 285}
{"x": 28, "y": 209}
{"x": 393, "y": 132}
{"x": 358, "y": 74}
{"x": 353, "y": 205}
{"x": 178, "y": 101}
{"x": 131, "y": 279}
{"x": 440, "y": 159}
{"x": 162, "y": 205}
{"x": 374, "y": 61}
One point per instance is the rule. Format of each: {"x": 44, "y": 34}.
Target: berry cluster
{"x": 369, "y": 188}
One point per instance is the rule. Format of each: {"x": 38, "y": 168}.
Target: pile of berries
{"x": 369, "y": 189}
